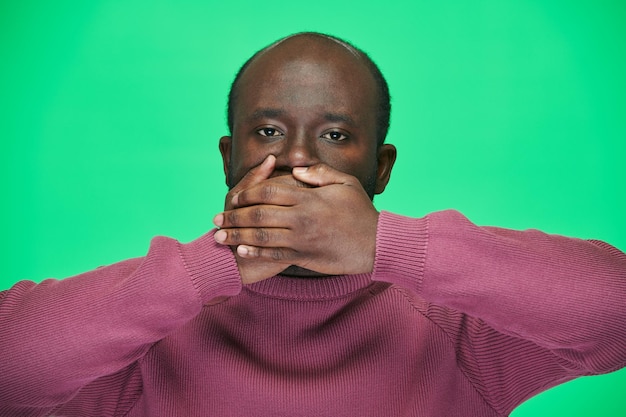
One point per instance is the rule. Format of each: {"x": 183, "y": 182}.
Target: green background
{"x": 511, "y": 111}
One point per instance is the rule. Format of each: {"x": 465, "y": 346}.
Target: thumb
{"x": 320, "y": 175}
{"x": 259, "y": 173}
{"x": 256, "y": 175}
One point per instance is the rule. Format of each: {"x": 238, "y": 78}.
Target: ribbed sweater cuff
{"x": 401, "y": 244}
{"x": 212, "y": 267}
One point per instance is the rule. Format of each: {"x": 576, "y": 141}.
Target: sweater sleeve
{"x": 525, "y": 310}
{"x": 60, "y": 335}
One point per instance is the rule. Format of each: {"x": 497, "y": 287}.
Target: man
{"x": 307, "y": 301}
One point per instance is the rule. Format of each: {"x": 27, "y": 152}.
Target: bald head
{"x": 314, "y": 47}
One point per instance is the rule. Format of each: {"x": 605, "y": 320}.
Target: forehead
{"x": 320, "y": 75}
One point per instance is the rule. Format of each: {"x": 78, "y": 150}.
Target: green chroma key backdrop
{"x": 509, "y": 111}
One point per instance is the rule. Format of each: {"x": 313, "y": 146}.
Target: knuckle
{"x": 267, "y": 192}
{"x": 277, "y": 255}
{"x": 261, "y": 236}
{"x": 257, "y": 215}
{"x": 324, "y": 171}
{"x": 235, "y": 236}
{"x": 307, "y": 223}
{"x": 229, "y": 199}
{"x": 242, "y": 198}
{"x": 233, "y": 218}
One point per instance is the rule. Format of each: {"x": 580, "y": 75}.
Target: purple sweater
{"x": 455, "y": 320}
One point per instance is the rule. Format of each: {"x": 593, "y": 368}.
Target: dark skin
{"x": 303, "y": 164}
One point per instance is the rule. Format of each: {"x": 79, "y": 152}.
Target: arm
{"x": 537, "y": 309}
{"x": 526, "y": 310}
{"x": 58, "y": 336}
{"x": 555, "y": 291}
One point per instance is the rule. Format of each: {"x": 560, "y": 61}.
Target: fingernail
{"x": 242, "y": 250}
{"x": 235, "y": 200}
{"x": 300, "y": 170}
{"x": 220, "y": 236}
{"x": 218, "y": 220}
{"x": 268, "y": 160}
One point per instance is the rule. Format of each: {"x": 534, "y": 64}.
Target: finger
{"x": 287, "y": 180}
{"x": 255, "y": 176}
{"x": 279, "y": 255}
{"x": 321, "y": 174}
{"x": 256, "y": 216}
{"x": 259, "y": 173}
{"x": 260, "y": 236}
{"x": 270, "y": 193}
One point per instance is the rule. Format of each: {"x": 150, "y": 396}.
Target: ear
{"x": 386, "y": 159}
{"x": 225, "y": 148}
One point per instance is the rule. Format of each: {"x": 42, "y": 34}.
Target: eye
{"x": 269, "y": 132}
{"x": 335, "y": 136}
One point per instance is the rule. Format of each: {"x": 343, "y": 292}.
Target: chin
{"x": 298, "y": 272}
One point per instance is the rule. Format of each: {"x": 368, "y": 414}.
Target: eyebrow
{"x": 338, "y": 117}
{"x": 266, "y": 113}
{"x": 269, "y": 112}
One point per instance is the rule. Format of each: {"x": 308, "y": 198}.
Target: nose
{"x": 298, "y": 151}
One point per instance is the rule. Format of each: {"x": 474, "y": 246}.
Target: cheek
{"x": 243, "y": 159}
{"x": 352, "y": 160}
{"x": 361, "y": 165}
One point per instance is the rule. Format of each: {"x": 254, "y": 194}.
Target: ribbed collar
{"x": 311, "y": 289}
